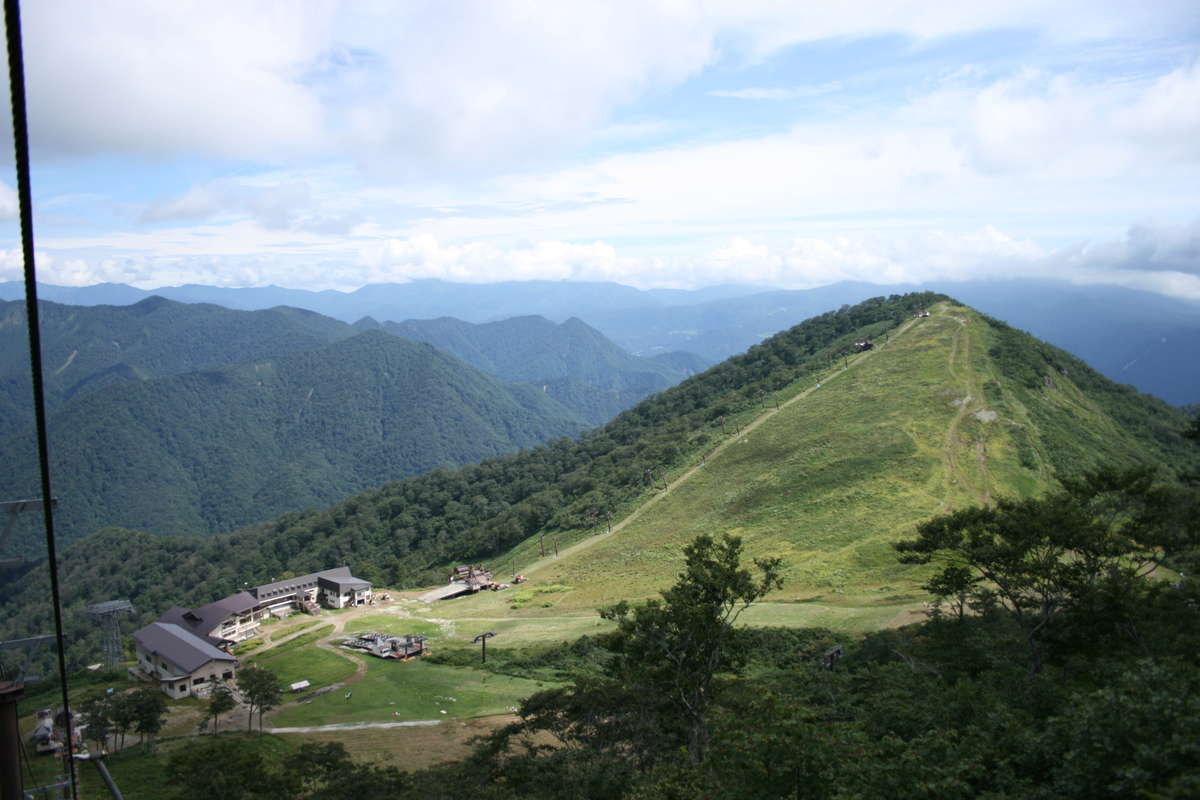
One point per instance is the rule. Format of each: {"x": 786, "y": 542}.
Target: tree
{"x": 655, "y": 692}
{"x": 148, "y": 706}
{"x": 224, "y": 768}
{"x": 675, "y": 647}
{"x": 220, "y": 700}
{"x": 123, "y": 713}
{"x": 1193, "y": 431}
{"x": 260, "y": 687}
{"x": 1083, "y": 550}
{"x": 97, "y": 714}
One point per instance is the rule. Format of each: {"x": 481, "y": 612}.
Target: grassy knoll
{"x": 418, "y": 690}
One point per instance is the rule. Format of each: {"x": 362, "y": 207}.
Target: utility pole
{"x": 481, "y": 640}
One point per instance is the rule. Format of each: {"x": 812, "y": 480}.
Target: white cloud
{"x": 184, "y": 77}
{"x": 1144, "y": 248}
{"x": 1035, "y": 121}
{"x": 1162, "y": 258}
{"x": 784, "y": 93}
{"x": 444, "y": 85}
{"x": 275, "y": 206}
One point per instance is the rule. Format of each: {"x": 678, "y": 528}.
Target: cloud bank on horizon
{"x": 677, "y": 143}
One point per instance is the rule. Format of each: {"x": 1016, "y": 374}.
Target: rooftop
{"x": 182, "y": 648}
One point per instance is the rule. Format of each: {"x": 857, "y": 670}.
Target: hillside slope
{"x": 890, "y": 437}
{"x": 573, "y": 362}
{"x": 207, "y": 452}
{"x": 952, "y": 412}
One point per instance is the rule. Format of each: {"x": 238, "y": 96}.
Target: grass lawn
{"x": 296, "y": 627}
{"x": 393, "y": 624}
{"x": 301, "y": 641}
{"x": 318, "y": 667}
{"x": 417, "y": 690}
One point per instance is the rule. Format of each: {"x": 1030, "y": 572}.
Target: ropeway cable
{"x": 16, "y": 81}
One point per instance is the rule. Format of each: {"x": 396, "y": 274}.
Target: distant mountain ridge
{"x": 85, "y": 349}
{"x": 1145, "y": 339}
{"x": 573, "y": 362}
{"x": 209, "y": 451}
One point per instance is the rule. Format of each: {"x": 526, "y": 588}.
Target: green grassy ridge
{"x": 831, "y": 481}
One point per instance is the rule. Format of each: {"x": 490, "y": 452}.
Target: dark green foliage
{"x": 239, "y": 767}
{"x": 654, "y": 693}
{"x": 260, "y": 688}
{"x": 209, "y": 451}
{"x": 1067, "y": 555}
{"x": 675, "y": 648}
{"x": 148, "y": 706}
{"x": 87, "y": 348}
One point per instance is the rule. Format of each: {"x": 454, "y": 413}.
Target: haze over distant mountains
{"x": 1144, "y": 339}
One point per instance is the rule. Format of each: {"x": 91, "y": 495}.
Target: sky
{"x": 682, "y": 143}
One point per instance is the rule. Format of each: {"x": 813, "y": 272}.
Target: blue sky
{"x": 681, "y": 143}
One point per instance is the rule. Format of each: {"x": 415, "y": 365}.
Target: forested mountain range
{"x": 572, "y": 362}
{"x": 213, "y": 450}
{"x": 1142, "y": 338}
{"x": 90, "y": 347}
{"x": 1040, "y": 411}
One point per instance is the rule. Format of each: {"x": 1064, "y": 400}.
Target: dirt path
{"x": 355, "y": 726}
{"x": 959, "y": 367}
{"x": 589, "y": 541}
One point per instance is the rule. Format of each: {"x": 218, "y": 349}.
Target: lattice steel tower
{"x": 109, "y": 616}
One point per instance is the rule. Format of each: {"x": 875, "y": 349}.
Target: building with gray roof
{"x": 181, "y": 662}
{"x": 223, "y": 622}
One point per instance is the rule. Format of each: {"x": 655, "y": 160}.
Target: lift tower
{"x": 109, "y": 616}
